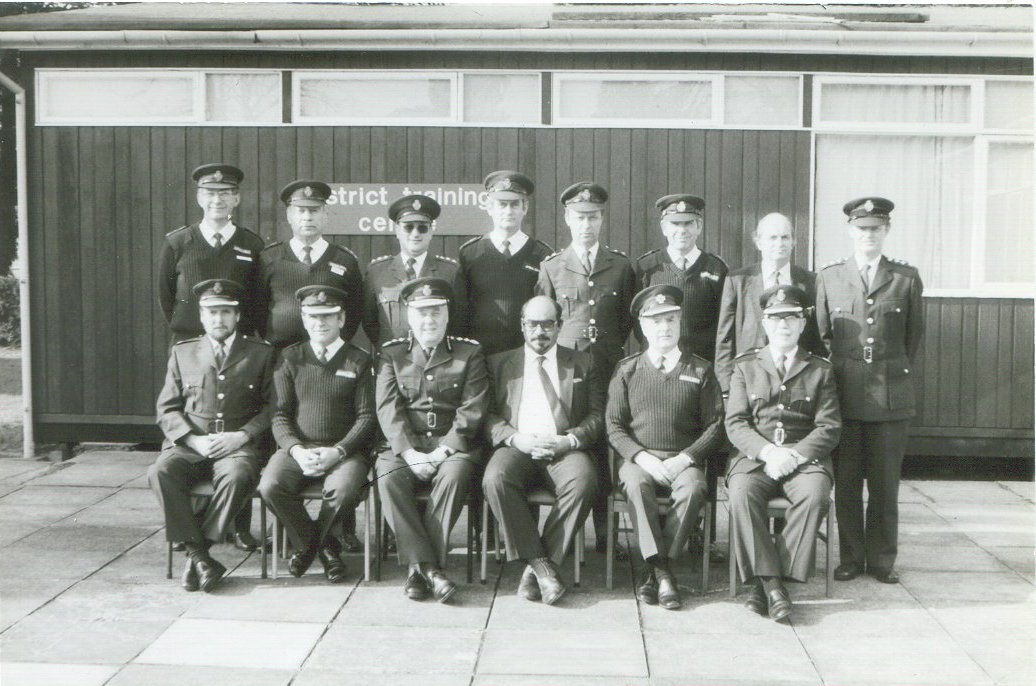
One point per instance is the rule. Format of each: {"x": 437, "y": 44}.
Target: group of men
{"x": 503, "y": 372}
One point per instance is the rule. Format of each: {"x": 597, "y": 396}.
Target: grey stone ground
{"x": 84, "y": 600}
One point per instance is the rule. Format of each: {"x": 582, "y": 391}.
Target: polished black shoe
{"x": 179, "y": 546}
{"x": 246, "y": 541}
{"x": 350, "y": 543}
{"x": 301, "y": 560}
{"x": 848, "y": 571}
{"x": 886, "y": 576}
{"x": 189, "y": 578}
{"x": 334, "y": 568}
{"x": 548, "y": 579}
{"x": 210, "y": 573}
{"x": 416, "y": 586}
{"x": 756, "y": 601}
{"x": 528, "y": 587}
{"x": 668, "y": 591}
{"x": 442, "y": 588}
{"x": 780, "y": 604}
{"x": 647, "y": 591}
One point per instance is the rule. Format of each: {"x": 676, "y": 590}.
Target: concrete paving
{"x": 84, "y": 601}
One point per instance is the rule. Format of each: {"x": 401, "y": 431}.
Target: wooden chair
{"x": 539, "y": 498}
{"x": 776, "y": 509}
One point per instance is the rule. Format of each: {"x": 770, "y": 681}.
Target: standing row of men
{"x": 870, "y": 321}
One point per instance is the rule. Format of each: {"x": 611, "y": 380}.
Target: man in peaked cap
{"x": 871, "y": 318}
{"x": 384, "y": 313}
{"x": 213, "y": 408}
{"x": 500, "y": 269}
{"x": 324, "y": 426}
{"x": 782, "y": 417}
{"x": 431, "y": 397}
{"x": 594, "y": 285}
{"x": 664, "y": 419}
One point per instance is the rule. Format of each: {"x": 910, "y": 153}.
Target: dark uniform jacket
{"x": 384, "y": 314}
{"x": 199, "y": 398}
{"x": 442, "y": 401}
{"x": 873, "y": 337}
{"x": 497, "y": 287}
{"x": 702, "y": 286}
{"x": 800, "y": 412}
{"x": 740, "y": 326}
{"x": 583, "y": 394}
{"x": 595, "y": 307}
{"x": 188, "y": 259}
{"x": 281, "y": 273}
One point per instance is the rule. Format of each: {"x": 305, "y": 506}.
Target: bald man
{"x": 740, "y": 326}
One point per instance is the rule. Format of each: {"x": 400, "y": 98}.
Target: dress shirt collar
{"x": 583, "y": 253}
{"x": 418, "y": 261}
{"x": 208, "y": 232}
{"x": 551, "y": 355}
{"x": 319, "y": 247}
{"x": 860, "y": 264}
{"x": 331, "y": 350}
{"x": 229, "y": 341}
{"x": 691, "y": 257}
{"x": 514, "y": 243}
{"x": 767, "y": 271}
{"x": 669, "y": 359}
{"x": 789, "y": 357}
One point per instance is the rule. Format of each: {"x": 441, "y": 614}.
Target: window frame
{"x": 300, "y": 75}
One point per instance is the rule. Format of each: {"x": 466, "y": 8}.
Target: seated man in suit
{"x": 546, "y": 413}
{"x": 324, "y": 426}
{"x": 664, "y": 419}
{"x": 214, "y": 408}
{"x": 783, "y": 419}
{"x": 431, "y": 397}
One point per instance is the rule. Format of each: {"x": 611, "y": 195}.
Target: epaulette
{"x": 903, "y": 263}
{"x": 464, "y": 340}
{"x": 256, "y": 340}
{"x": 720, "y": 259}
{"x": 545, "y": 245}
{"x": 648, "y": 253}
{"x": 553, "y": 255}
{"x": 244, "y": 230}
{"x": 346, "y": 249}
{"x": 381, "y": 259}
{"x": 628, "y": 358}
{"x": 615, "y": 250}
{"x": 273, "y": 245}
{"x": 395, "y": 341}
{"x": 185, "y": 226}
{"x": 353, "y": 346}
{"x": 699, "y": 361}
{"x": 832, "y": 263}
{"x": 443, "y": 258}
{"x": 820, "y": 359}
{"x": 465, "y": 244}
{"x": 187, "y": 340}
{"x": 747, "y": 354}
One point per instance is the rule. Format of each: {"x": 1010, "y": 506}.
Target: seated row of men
{"x": 534, "y": 416}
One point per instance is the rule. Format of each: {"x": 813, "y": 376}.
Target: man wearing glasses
{"x": 783, "y": 419}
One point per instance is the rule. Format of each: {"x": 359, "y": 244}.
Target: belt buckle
{"x": 217, "y": 425}
{"x": 778, "y": 436}
{"x": 591, "y": 333}
{"x": 868, "y": 354}
{"x": 430, "y": 420}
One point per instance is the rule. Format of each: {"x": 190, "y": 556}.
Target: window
{"x": 762, "y": 100}
{"x": 502, "y": 98}
{"x": 240, "y": 97}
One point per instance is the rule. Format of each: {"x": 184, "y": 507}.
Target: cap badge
{"x": 217, "y": 176}
{"x": 321, "y": 297}
{"x": 781, "y": 297}
{"x": 660, "y": 299}
{"x": 308, "y": 192}
{"x": 416, "y": 204}
{"x": 504, "y": 185}
{"x": 868, "y": 206}
{"x": 217, "y": 288}
{"x": 584, "y": 194}
{"x": 426, "y": 290}
{"x": 681, "y": 206}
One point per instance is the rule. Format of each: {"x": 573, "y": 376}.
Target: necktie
{"x": 560, "y": 415}
{"x": 411, "y": 274}
{"x": 682, "y": 264}
{"x": 781, "y": 369}
{"x": 322, "y": 355}
{"x": 217, "y": 240}
{"x": 661, "y": 363}
{"x": 507, "y": 249}
{"x": 865, "y": 276}
{"x": 587, "y": 264}
{"x": 221, "y": 355}
{"x": 307, "y": 257}
{"x": 777, "y": 278}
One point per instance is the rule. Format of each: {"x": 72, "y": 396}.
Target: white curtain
{"x": 1009, "y": 214}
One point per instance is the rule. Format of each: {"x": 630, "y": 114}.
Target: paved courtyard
{"x": 84, "y": 600}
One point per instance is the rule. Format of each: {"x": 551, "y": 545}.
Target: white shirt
{"x": 669, "y": 360}
{"x": 769, "y": 269}
{"x": 534, "y": 415}
{"x": 209, "y": 232}
{"x": 229, "y": 341}
{"x": 319, "y": 247}
{"x": 691, "y": 257}
{"x": 418, "y": 261}
{"x": 514, "y": 243}
{"x": 873, "y": 264}
{"x": 788, "y": 357}
{"x": 332, "y": 348}
{"x": 584, "y": 254}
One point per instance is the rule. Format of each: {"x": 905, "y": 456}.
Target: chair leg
{"x": 609, "y": 552}
{"x": 731, "y": 552}
{"x": 367, "y": 538}
{"x": 169, "y": 560}
{"x": 830, "y": 571}
{"x": 484, "y": 558}
{"x": 275, "y": 553}
{"x": 468, "y": 561}
{"x": 381, "y": 550}
{"x": 580, "y": 545}
{"x": 706, "y": 545}
{"x": 262, "y": 538}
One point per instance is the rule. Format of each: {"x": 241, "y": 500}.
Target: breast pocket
{"x": 801, "y": 403}
{"x": 569, "y": 298}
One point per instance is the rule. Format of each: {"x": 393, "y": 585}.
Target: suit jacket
{"x": 873, "y": 337}
{"x": 582, "y": 393}
{"x": 197, "y": 392}
{"x": 426, "y": 403}
{"x": 740, "y": 326}
{"x": 804, "y": 405}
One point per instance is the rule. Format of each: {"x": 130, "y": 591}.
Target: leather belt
{"x": 778, "y": 436}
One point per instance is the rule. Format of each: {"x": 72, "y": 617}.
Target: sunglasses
{"x": 415, "y": 226}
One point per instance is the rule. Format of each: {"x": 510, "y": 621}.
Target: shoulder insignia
{"x": 356, "y": 348}
{"x": 552, "y": 255}
{"x": 904, "y": 263}
{"x": 443, "y": 258}
{"x": 474, "y": 240}
{"x": 187, "y": 340}
{"x": 629, "y": 358}
{"x": 464, "y": 340}
{"x": 649, "y": 253}
{"x": 256, "y": 340}
{"x": 748, "y": 354}
{"x": 346, "y": 249}
{"x": 185, "y": 226}
{"x": 700, "y": 363}
{"x": 273, "y": 245}
{"x": 381, "y": 259}
{"x": 818, "y": 358}
{"x": 615, "y": 250}
{"x": 394, "y": 341}
{"x": 833, "y": 263}
{"x": 295, "y": 346}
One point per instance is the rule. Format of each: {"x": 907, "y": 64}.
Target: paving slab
{"x": 231, "y": 643}
{"x": 179, "y": 675}
{"x": 947, "y": 558}
{"x": 892, "y": 660}
{"x": 354, "y": 650}
{"x": 863, "y": 618}
{"x": 1019, "y": 559}
{"x": 43, "y": 674}
{"x": 701, "y": 658}
{"x": 70, "y": 497}
{"x": 332, "y": 677}
{"x": 967, "y": 620}
{"x": 966, "y": 492}
{"x": 29, "y": 561}
{"x": 36, "y": 639}
{"x": 575, "y": 612}
{"x": 14, "y": 467}
{"x": 98, "y": 474}
{"x": 386, "y": 605}
{"x": 713, "y": 614}
{"x": 966, "y": 586}
{"x": 557, "y": 680}
{"x": 1023, "y": 489}
{"x": 285, "y": 600}
{"x": 100, "y": 600}
{"x": 12, "y": 531}
{"x": 1006, "y": 660}
{"x": 552, "y": 652}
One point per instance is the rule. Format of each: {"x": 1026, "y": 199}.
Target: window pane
{"x": 494, "y": 98}
{"x": 761, "y": 100}
{"x": 1009, "y": 207}
{"x": 931, "y": 181}
{"x": 378, "y": 99}
{"x": 597, "y": 99}
{"x": 904, "y": 104}
{"x": 126, "y": 98}
{"x": 243, "y": 97}
{"x": 1009, "y": 105}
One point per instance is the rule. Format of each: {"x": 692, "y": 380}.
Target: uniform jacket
{"x": 384, "y": 315}
{"x": 188, "y": 259}
{"x": 702, "y": 285}
{"x": 196, "y": 392}
{"x": 583, "y": 394}
{"x": 873, "y": 337}
{"x": 422, "y": 404}
{"x": 740, "y": 326}
{"x": 593, "y": 305}
{"x": 804, "y": 406}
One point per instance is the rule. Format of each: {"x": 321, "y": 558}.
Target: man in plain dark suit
{"x": 740, "y": 326}
{"x": 546, "y": 413}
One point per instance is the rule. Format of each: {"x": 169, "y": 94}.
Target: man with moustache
{"x": 546, "y": 411}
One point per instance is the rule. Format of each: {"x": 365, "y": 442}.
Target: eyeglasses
{"x": 416, "y": 226}
{"x": 226, "y": 193}
{"x": 783, "y": 316}
{"x": 546, "y": 324}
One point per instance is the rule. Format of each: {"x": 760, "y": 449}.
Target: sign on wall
{"x": 361, "y": 209}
